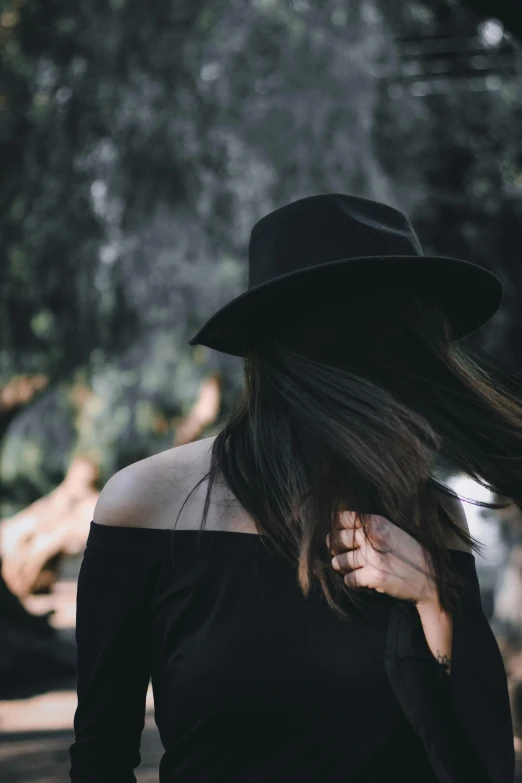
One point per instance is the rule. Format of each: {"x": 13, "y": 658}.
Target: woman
{"x": 327, "y": 624}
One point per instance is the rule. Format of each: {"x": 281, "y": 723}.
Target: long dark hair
{"x": 352, "y": 407}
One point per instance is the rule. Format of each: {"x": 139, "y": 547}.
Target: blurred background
{"x": 139, "y": 144}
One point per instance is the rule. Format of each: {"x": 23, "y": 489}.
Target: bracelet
{"x": 443, "y": 668}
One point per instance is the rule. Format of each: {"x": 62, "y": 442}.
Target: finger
{"x": 353, "y": 579}
{"x": 348, "y": 519}
{"x": 350, "y": 539}
{"x": 349, "y": 561}
{"x": 341, "y": 540}
{"x": 360, "y": 577}
{"x": 368, "y": 577}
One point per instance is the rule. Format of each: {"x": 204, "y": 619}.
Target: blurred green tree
{"x": 140, "y": 144}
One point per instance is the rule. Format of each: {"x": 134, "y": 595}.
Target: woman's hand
{"x": 401, "y": 570}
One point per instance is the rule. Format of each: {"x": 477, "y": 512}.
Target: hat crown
{"x": 319, "y": 248}
{"x": 329, "y": 227}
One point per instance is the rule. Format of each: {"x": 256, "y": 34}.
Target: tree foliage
{"x": 140, "y": 142}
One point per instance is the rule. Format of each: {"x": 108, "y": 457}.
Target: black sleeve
{"x": 477, "y": 684}
{"x": 113, "y": 660}
{"x": 464, "y": 719}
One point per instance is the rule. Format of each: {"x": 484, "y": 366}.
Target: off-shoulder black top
{"x": 254, "y": 683}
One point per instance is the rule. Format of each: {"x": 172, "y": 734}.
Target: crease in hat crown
{"x": 328, "y": 227}
{"x": 346, "y": 241}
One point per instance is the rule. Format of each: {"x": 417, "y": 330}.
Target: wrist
{"x": 438, "y": 630}
{"x": 429, "y": 603}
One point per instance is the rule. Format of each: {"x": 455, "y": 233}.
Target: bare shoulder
{"x": 149, "y": 492}
{"x": 454, "y": 507}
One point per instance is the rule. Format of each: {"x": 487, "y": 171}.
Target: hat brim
{"x": 469, "y": 294}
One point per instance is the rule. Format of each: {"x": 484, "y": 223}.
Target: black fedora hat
{"x": 334, "y": 244}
